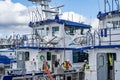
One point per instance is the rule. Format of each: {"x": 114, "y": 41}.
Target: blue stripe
{"x": 100, "y": 47}
{"x": 7, "y": 78}
{"x": 47, "y": 48}
{"x": 105, "y": 30}
{"x": 101, "y": 31}
{"x": 10, "y": 77}
{"x": 76, "y": 49}
{"x": 100, "y": 15}
{"x": 7, "y": 51}
{"x": 60, "y": 21}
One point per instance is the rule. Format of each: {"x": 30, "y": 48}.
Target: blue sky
{"x": 87, "y": 8}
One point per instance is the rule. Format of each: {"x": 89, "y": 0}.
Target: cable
{"x": 29, "y": 13}
{"x": 109, "y": 5}
{"x": 99, "y": 5}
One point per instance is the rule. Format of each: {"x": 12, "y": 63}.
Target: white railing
{"x": 101, "y": 37}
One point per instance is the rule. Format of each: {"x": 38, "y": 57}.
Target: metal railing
{"x": 101, "y": 37}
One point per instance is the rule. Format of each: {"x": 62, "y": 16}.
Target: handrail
{"x": 112, "y": 36}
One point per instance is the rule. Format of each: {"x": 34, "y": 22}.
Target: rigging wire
{"x": 99, "y": 5}
{"x": 117, "y": 4}
{"x": 38, "y": 13}
{"x": 29, "y": 13}
{"x": 109, "y": 5}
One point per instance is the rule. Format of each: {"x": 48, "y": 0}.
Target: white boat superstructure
{"x": 104, "y": 53}
{"x": 52, "y": 38}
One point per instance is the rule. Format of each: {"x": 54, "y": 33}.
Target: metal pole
{"x": 112, "y": 5}
{"x": 105, "y": 6}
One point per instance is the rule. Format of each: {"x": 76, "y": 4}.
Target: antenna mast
{"x": 105, "y": 5}
{"x": 47, "y": 12}
{"x": 44, "y": 7}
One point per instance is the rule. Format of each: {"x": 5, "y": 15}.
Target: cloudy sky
{"x": 14, "y": 14}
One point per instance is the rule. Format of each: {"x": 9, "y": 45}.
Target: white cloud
{"x": 94, "y": 23}
{"x": 14, "y": 17}
{"x": 73, "y": 17}
{"x": 80, "y": 18}
{"x": 12, "y": 13}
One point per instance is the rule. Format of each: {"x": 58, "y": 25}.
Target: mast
{"x": 44, "y": 7}
{"x": 47, "y": 11}
{"x": 111, "y": 5}
{"x": 105, "y": 6}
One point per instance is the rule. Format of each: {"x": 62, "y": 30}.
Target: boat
{"x": 104, "y": 51}
{"x": 52, "y": 38}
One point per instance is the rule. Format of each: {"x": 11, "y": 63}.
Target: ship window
{"x": 109, "y": 24}
{"x": 73, "y": 30}
{"x": 85, "y": 31}
{"x": 101, "y": 61}
{"x": 113, "y": 24}
{"x": 5, "y": 46}
{"x": 55, "y": 30}
{"x": 79, "y": 57}
{"x": 27, "y": 56}
{"x": 48, "y": 55}
{"x": 119, "y": 24}
{"x": 40, "y": 32}
{"x": 47, "y": 31}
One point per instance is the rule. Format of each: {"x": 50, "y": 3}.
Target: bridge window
{"x": 55, "y": 30}
{"x": 113, "y": 24}
{"x": 73, "y": 30}
{"x": 47, "y": 31}
{"x": 70, "y": 30}
{"x": 48, "y": 55}
{"x": 40, "y": 32}
{"x": 79, "y": 57}
{"x": 27, "y": 55}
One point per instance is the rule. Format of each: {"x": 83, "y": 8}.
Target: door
{"x": 101, "y": 66}
{"x": 54, "y": 57}
{"x": 117, "y": 70}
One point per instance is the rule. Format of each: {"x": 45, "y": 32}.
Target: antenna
{"x": 57, "y": 7}
{"x": 105, "y": 6}
{"x": 38, "y": 0}
{"x": 99, "y": 5}
{"x": 112, "y": 5}
{"x": 47, "y": 12}
{"x": 44, "y": 6}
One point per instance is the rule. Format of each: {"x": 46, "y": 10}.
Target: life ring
{"x": 42, "y": 57}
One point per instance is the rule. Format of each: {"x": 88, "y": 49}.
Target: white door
{"x": 117, "y": 70}
{"x": 101, "y": 66}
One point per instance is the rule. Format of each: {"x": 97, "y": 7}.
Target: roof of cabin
{"x": 5, "y": 60}
{"x": 101, "y": 15}
{"x": 59, "y": 21}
